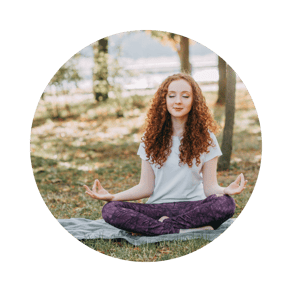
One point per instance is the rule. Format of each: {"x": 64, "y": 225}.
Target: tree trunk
{"x": 100, "y": 71}
{"x": 224, "y": 161}
{"x": 184, "y": 55}
{"x": 222, "y": 81}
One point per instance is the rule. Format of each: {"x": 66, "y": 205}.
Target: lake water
{"x": 149, "y": 73}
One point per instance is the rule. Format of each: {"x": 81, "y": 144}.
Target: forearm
{"x": 214, "y": 189}
{"x": 135, "y": 193}
{"x": 210, "y": 182}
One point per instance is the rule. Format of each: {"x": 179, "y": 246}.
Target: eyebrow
{"x": 181, "y": 92}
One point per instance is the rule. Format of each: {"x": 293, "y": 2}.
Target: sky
{"x": 139, "y": 44}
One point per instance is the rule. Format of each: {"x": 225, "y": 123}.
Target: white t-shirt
{"x": 174, "y": 183}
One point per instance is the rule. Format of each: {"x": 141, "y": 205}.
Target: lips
{"x": 178, "y": 108}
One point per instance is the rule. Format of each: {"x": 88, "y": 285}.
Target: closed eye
{"x": 184, "y": 96}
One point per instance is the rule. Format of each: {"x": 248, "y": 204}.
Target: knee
{"x": 108, "y": 210}
{"x": 230, "y": 205}
{"x": 227, "y": 206}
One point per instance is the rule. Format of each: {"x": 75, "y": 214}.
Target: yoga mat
{"x": 82, "y": 228}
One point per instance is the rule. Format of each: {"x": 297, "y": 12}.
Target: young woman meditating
{"x": 179, "y": 153}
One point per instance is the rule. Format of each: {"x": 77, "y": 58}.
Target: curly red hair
{"x": 158, "y": 131}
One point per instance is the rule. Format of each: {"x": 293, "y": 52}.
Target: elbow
{"x": 208, "y": 192}
{"x": 150, "y": 192}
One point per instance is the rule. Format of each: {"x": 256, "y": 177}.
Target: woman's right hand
{"x": 98, "y": 192}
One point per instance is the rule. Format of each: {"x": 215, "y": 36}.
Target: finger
{"x": 94, "y": 186}
{"x": 99, "y": 185}
{"x": 243, "y": 189}
{"x": 238, "y": 179}
{"x": 89, "y": 193}
{"x": 242, "y": 180}
{"x": 87, "y": 188}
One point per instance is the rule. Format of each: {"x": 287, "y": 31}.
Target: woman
{"x": 179, "y": 153}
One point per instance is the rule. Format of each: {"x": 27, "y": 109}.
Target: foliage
{"x": 166, "y": 38}
{"x": 178, "y": 43}
{"x": 117, "y": 71}
{"x": 66, "y": 74}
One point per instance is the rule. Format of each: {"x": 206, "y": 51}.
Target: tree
{"x": 100, "y": 70}
{"x": 224, "y": 161}
{"x": 179, "y": 43}
{"x": 222, "y": 81}
{"x": 66, "y": 74}
{"x": 184, "y": 55}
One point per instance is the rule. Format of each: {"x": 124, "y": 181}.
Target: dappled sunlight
{"x": 247, "y": 120}
{"x": 117, "y": 131}
{"x": 92, "y": 166}
{"x": 78, "y": 142}
{"x": 243, "y": 124}
{"x": 95, "y": 143}
{"x": 84, "y": 168}
{"x": 43, "y": 129}
{"x": 87, "y": 166}
{"x": 256, "y": 158}
{"x": 236, "y": 160}
{"x": 66, "y": 165}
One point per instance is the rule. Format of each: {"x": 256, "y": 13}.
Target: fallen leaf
{"x": 56, "y": 180}
{"x": 39, "y": 170}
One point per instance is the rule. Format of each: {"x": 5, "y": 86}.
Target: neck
{"x": 178, "y": 125}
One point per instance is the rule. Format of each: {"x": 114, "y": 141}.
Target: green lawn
{"x": 74, "y": 143}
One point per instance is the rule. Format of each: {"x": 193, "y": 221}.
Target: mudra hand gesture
{"x": 98, "y": 192}
{"x": 237, "y": 186}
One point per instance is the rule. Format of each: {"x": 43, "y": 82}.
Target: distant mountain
{"x": 138, "y": 44}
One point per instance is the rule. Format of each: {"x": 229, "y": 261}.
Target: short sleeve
{"x": 213, "y": 151}
{"x": 141, "y": 152}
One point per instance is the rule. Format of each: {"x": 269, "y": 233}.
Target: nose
{"x": 178, "y": 99}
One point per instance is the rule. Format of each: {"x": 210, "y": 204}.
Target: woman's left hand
{"x": 237, "y": 186}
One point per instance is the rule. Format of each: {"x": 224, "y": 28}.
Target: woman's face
{"x": 179, "y": 98}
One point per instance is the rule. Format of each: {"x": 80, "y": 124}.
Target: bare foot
{"x": 196, "y": 229}
{"x": 135, "y": 233}
{"x": 163, "y": 218}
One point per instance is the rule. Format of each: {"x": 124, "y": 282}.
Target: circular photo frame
{"x": 146, "y": 146}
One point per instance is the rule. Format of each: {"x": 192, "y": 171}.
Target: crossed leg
{"x": 144, "y": 218}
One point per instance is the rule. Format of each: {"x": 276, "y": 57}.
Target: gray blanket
{"x": 94, "y": 229}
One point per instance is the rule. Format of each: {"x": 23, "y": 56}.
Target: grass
{"x": 74, "y": 143}
{"x": 148, "y": 252}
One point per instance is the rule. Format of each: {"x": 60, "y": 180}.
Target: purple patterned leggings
{"x": 143, "y": 218}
